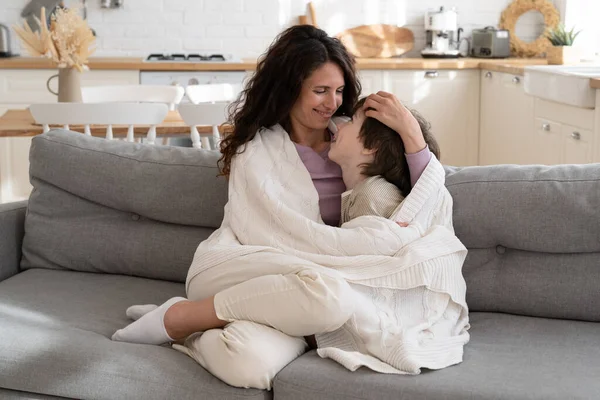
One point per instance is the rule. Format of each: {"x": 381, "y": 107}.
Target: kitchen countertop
{"x": 512, "y": 65}
{"x": 128, "y": 63}
{"x": 515, "y": 68}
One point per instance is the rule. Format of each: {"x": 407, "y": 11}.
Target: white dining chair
{"x": 167, "y": 94}
{"x": 209, "y": 107}
{"x": 212, "y": 93}
{"x": 213, "y": 114}
{"x": 108, "y": 114}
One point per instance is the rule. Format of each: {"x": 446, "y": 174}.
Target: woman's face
{"x": 320, "y": 97}
{"x": 346, "y": 146}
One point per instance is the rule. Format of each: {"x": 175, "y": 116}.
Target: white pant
{"x": 270, "y": 309}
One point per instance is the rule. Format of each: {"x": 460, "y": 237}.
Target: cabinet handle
{"x": 431, "y": 74}
{"x": 576, "y": 135}
{"x": 516, "y": 79}
{"x": 488, "y": 74}
{"x": 546, "y": 127}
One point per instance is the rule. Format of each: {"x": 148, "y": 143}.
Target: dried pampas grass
{"x": 68, "y": 42}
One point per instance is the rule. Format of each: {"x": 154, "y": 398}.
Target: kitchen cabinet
{"x": 507, "y": 120}
{"x": 19, "y": 89}
{"x": 449, "y": 100}
{"x": 562, "y": 144}
{"x": 517, "y": 128}
{"x": 371, "y": 81}
{"x": 577, "y": 145}
{"x": 563, "y": 134}
{"x": 547, "y": 138}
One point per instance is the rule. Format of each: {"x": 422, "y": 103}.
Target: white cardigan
{"x": 412, "y": 312}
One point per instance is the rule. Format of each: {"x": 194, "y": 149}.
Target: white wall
{"x": 246, "y": 27}
{"x": 583, "y": 16}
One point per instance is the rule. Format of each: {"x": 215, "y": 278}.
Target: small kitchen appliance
{"x": 442, "y": 34}
{"x": 5, "y": 49}
{"x": 490, "y": 43}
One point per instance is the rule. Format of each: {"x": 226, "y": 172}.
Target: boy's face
{"x": 346, "y": 146}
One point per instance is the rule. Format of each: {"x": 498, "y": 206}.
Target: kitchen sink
{"x": 567, "y": 84}
{"x": 589, "y": 71}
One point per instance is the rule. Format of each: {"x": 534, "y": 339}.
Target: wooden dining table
{"x": 20, "y": 123}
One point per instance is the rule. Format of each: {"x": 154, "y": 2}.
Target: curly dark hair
{"x": 389, "y": 160}
{"x": 270, "y": 94}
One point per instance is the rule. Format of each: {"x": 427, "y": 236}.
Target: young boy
{"x": 374, "y": 167}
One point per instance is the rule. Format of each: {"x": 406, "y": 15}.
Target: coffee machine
{"x": 443, "y": 34}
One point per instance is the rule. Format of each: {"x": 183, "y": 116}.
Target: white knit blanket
{"x": 412, "y": 312}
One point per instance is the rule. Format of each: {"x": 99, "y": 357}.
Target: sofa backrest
{"x": 533, "y": 234}
{"x": 116, "y": 207}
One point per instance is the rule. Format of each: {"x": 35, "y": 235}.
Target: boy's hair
{"x": 389, "y": 160}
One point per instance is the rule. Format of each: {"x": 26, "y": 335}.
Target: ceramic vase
{"x": 69, "y": 85}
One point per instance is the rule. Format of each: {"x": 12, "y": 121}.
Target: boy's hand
{"x": 402, "y": 224}
{"x": 387, "y": 109}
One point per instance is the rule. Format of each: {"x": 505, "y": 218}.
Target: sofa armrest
{"x": 12, "y": 220}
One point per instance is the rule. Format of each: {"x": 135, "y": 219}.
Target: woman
{"x": 305, "y": 80}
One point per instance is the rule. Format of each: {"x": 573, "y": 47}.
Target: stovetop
{"x": 192, "y": 57}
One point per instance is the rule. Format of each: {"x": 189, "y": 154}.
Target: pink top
{"x": 327, "y": 178}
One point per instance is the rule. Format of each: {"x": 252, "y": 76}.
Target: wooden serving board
{"x": 377, "y": 41}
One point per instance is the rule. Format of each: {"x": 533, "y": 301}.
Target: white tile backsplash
{"x": 246, "y": 27}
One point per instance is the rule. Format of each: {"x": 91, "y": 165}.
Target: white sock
{"x": 137, "y": 312}
{"x": 150, "y": 328}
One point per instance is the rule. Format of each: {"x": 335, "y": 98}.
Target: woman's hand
{"x": 387, "y": 109}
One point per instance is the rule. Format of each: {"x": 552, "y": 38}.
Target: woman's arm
{"x": 417, "y": 162}
{"x": 389, "y": 110}
{"x": 386, "y": 108}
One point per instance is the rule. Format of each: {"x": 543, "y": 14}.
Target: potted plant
{"x": 68, "y": 41}
{"x": 562, "y": 50}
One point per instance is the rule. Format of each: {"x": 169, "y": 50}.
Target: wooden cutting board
{"x": 380, "y": 40}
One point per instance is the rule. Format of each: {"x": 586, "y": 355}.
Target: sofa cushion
{"x": 508, "y": 357}
{"x": 533, "y": 234}
{"x": 110, "y": 206}
{"x": 6, "y": 394}
{"x": 55, "y": 329}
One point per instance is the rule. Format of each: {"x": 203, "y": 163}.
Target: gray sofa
{"x": 110, "y": 224}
